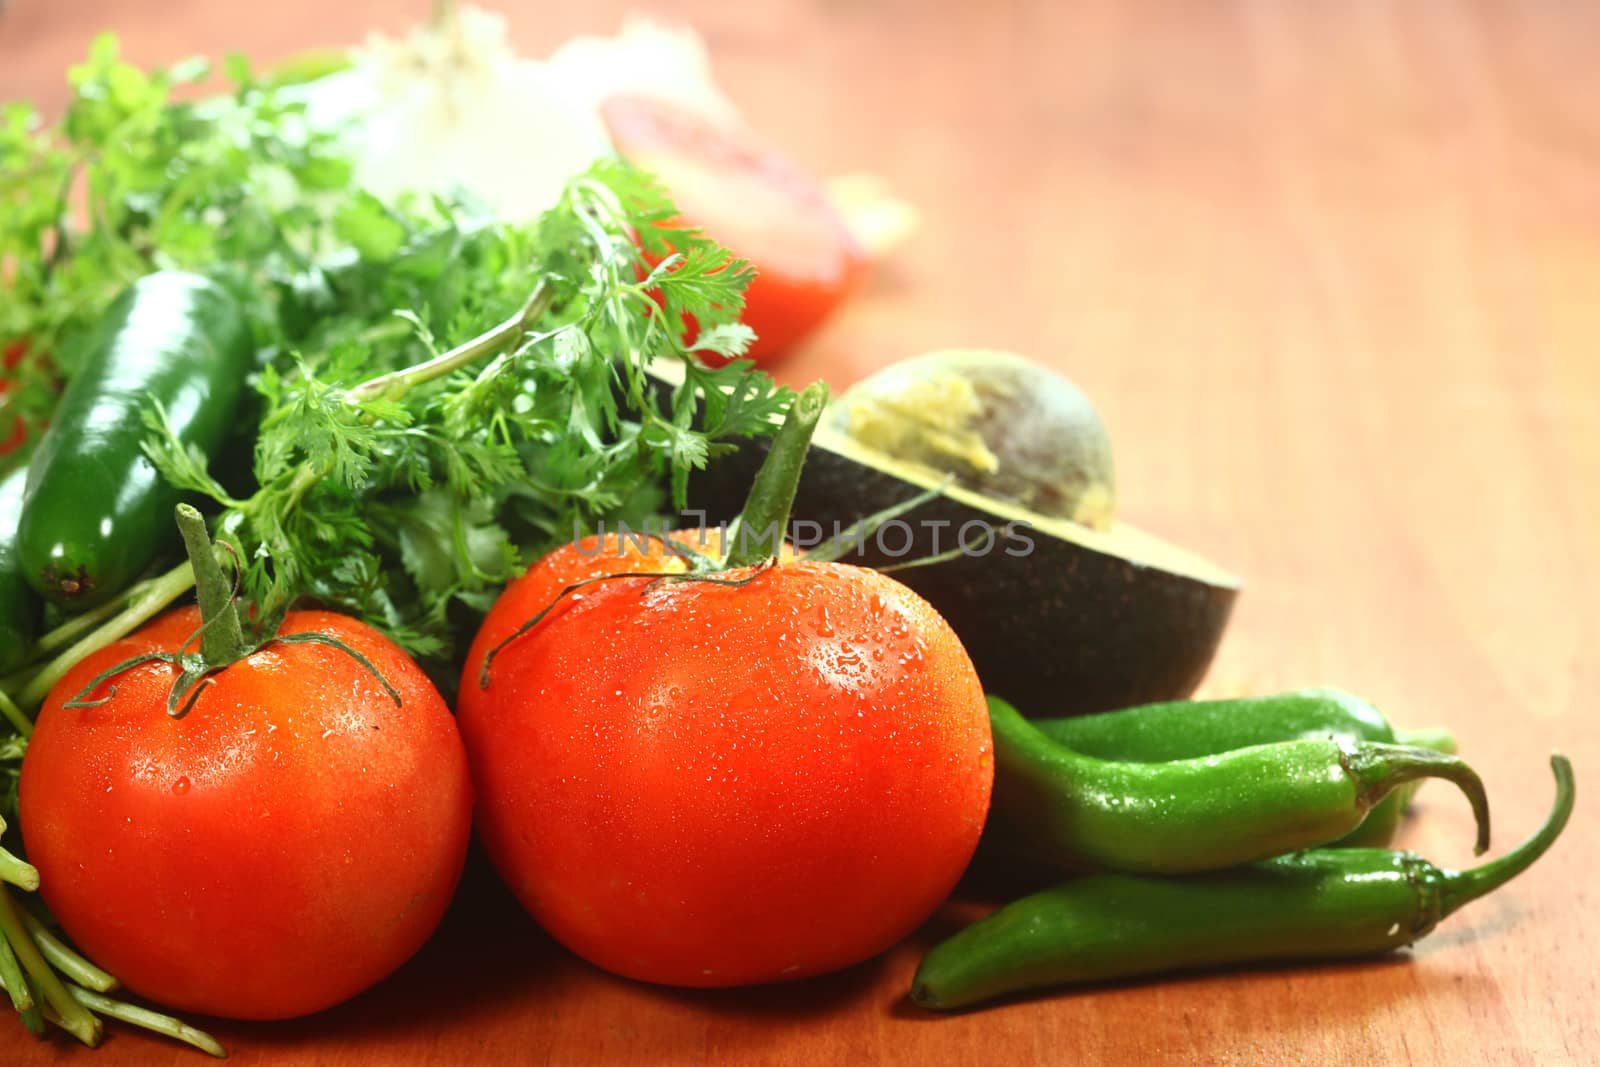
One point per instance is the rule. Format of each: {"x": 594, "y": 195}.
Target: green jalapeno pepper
{"x": 1186, "y": 729}
{"x": 96, "y": 510}
{"x": 1058, "y": 807}
{"x": 1323, "y": 903}
{"x": 19, "y": 607}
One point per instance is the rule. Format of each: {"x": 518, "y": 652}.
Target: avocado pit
{"x": 1002, "y": 425}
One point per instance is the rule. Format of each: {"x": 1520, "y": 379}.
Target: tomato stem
{"x": 758, "y": 531}
{"x": 221, "y": 638}
{"x": 221, "y": 635}
{"x": 142, "y": 606}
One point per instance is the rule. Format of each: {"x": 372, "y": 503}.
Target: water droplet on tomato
{"x": 181, "y": 786}
{"x": 824, "y": 623}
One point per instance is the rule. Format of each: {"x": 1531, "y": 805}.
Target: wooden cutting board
{"x": 1332, "y": 272}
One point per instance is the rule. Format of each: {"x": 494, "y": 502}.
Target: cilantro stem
{"x": 74, "y": 627}
{"x": 146, "y": 1019}
{"x": 64, "y": 959}
{"x": 391, "y": 329}
{"x": 75, "y": 1018}
{"x": 758, "y": 531}
{"x": 222, "y": 638}
{"x": 149, "y": 599}
{"x": 13, "y": 714}
{"x": 396, "y": 384}
{"x": 64, "y": 635}
{"x": 35, "y": 1017}
{"x": 19, "y": 873}
{"x": 11, "y": 978}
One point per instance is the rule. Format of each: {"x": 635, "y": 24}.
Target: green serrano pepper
{"x": 1061, "y": 808}
{"x": 1320, "y": 904}
{"x": 1184, "y": 729}
{"x": 1187, "y": 729}
{"x": 19, "y": 607}
{"x": 96, "y": 510}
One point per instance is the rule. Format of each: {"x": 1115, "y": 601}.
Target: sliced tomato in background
{"x": 752, "y": 199}
{"x": 9, "y": 442}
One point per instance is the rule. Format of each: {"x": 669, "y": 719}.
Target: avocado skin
{"x": 1065, "y": 630}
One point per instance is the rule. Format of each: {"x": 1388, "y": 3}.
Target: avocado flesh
{"x": 1118, "y": 538}
{"x": 1003, "y": 425}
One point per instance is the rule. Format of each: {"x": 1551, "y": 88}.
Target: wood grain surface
{"x": 1332, "y": 272}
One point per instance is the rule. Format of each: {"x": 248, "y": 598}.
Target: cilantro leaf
{"x": 407, "y": 502}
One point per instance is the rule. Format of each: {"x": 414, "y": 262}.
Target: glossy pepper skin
{"x": 96, "y": 510}
{"x": 1072, "y": 811}
{"x": 1324, "y": 903}
{"x": 1187, "y": 729}
{"x": 19, "y": 607}
{"x": 1184, "y": 729}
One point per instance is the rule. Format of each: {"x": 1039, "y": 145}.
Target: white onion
{"x": 453, "y": 104}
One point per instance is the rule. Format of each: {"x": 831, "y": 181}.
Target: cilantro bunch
{"x": 442, "y": 395}
{"x": 133, "y": 180}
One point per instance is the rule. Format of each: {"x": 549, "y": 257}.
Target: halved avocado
{"x": 1000, "y": 424}
{"x": 1059, "y": 618}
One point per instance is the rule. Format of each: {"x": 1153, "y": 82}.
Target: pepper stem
{"x": 222, "y": 638}
{"x": 1463, "y": 887}
{"x": 758, "y": 531}
{"x": 1378, "y": 769}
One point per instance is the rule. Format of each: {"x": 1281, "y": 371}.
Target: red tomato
{"x": 286, "y": 845}
{"x": 755, "y": 202}
{"x": 707, "y": 785}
